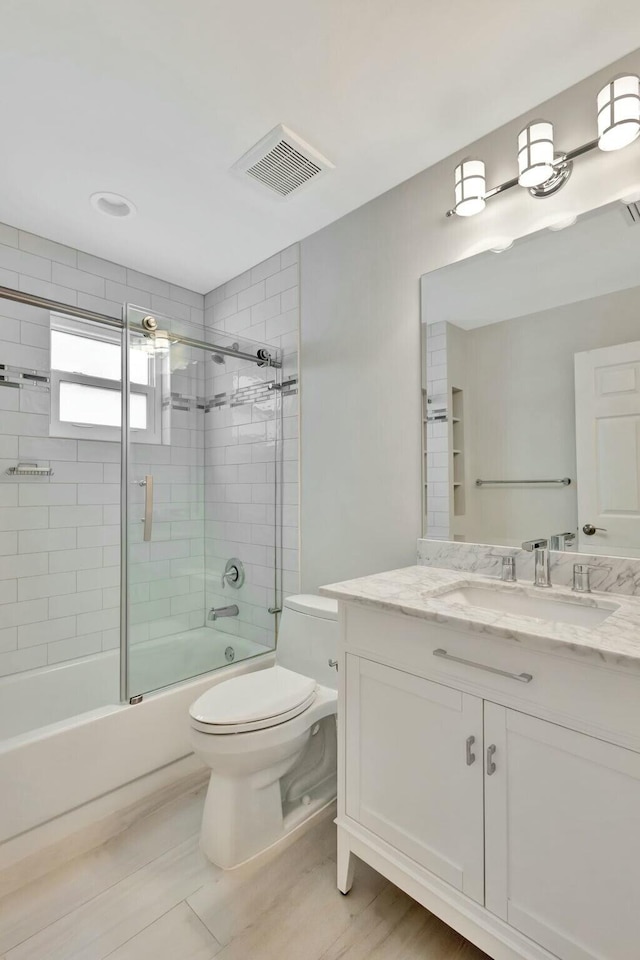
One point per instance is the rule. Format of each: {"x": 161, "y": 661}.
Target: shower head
{"x": 219, "y": 358}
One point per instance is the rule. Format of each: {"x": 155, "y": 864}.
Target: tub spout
{"x": 230, "y": 611}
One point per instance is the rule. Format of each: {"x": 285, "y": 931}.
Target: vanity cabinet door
{"x": 563, "y": 837}
{"x": 413, "y": 775}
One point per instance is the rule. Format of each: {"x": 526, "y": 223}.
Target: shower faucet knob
{"x": 230, "y": 576}
{"x": 234, "y": 574}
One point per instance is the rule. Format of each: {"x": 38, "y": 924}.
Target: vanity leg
{"x": 345, "y": 864}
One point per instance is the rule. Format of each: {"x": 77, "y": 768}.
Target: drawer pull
{"x": 470, "y": 754}
{"x": 521, "y": 677}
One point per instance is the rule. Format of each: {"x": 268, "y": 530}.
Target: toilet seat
{"x": 253, "y": 701}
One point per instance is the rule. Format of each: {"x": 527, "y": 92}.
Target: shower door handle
{"x": 147, "y": 483}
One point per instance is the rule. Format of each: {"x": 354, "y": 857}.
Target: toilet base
{"x": 246, "y": 815}
{"x": 326, "y": 812}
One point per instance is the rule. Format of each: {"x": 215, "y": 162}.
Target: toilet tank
{"x": 308, "y": 637}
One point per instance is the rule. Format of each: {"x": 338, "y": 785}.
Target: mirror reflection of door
{"x": 607, "y": 386}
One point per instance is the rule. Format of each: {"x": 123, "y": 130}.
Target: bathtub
{"x": 66, "y": 739}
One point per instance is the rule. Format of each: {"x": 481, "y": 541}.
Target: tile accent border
{"x": 614, "y": 574}
{"x": 20, "y": 377}
{"x": 255, "y": 393}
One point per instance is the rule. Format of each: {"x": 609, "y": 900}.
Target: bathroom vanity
{"x": 489, "y": 757}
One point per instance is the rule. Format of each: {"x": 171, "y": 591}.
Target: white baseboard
{"x": 34, "y": 853}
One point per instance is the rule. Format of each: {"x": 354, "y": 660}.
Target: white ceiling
{"x": 156, "y": 99}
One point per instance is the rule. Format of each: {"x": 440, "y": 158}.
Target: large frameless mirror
{"x": 531, "y": 390}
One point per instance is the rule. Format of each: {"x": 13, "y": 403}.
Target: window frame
{"x": 152, "y": 433}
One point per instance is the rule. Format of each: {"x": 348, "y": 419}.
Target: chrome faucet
{"x": 230, "y": 611}
{"x": 582, "y": 575}
{"x": 508, "y": 571}
{"x": 560, "y": 541}
{"x": 507, "y": 567}
{"x": 540, "y": 561}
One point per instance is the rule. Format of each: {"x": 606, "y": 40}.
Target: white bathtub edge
{"x": 38, "y": 851}
{"x": 47, "y": 774}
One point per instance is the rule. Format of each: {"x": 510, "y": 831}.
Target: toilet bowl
{"x": 269, "y": 738}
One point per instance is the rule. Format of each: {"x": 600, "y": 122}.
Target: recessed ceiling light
{"x": 112, "y": 204}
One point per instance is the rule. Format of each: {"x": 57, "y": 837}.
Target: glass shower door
{"x": 202, "y": 492}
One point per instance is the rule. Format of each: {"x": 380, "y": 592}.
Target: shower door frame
{"x": 274, "y": 360}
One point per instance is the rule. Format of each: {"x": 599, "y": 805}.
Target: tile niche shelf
{"x": 442, "y": 420}
{"x": 456, "y": 462}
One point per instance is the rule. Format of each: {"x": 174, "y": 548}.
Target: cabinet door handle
{"x": 491, "y": 767}
{"x": 470, "y": 755}
{"x": 521, "y": 677}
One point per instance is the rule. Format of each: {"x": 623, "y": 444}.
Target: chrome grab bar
{"x": 521, "y": 677}
{"x": 565, "y": 481}
{"x": 147, "y": 483}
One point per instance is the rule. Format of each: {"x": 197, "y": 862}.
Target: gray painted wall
{"x": 360, "y": 333}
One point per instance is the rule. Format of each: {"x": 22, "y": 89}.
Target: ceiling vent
{"x": 632, "y": 213}
{"x": 283, "y": 162}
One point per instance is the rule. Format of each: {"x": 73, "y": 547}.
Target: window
{"x": 85, "y": 384}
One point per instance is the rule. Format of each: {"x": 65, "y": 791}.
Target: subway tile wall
{"x": 60, "y": 536}
{"x": 248, "y": 443}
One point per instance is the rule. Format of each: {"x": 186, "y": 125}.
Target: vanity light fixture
{"x": 619, "y": 113}
{"x": 470, "y": 187}
{"x": 541, "y": 170}
{"x": 535, "y": 154}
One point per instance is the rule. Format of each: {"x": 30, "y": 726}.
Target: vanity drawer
{"x": 600, "y": 699}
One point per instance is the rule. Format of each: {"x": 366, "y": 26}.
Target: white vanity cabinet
{"x": 562, "y": 833}
{"x": 416, "y": 780}
{"x": 509, "y": 809}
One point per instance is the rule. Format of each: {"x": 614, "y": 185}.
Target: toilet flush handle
{"x": 333, "y": 663}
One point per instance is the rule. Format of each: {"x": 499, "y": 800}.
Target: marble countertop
{"x": 418, "y": 592}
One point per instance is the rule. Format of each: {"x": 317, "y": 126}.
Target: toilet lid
{"x": 253, "y": 696}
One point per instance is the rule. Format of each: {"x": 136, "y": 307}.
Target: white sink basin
{"x": 524, "y": 603}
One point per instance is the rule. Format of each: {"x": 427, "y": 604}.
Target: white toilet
{"x": 269, "y": 738}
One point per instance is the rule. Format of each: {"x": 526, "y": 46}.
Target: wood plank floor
{"x": 149, "y": 894}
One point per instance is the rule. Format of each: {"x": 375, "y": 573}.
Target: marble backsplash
{"x": 610, "y": 574}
